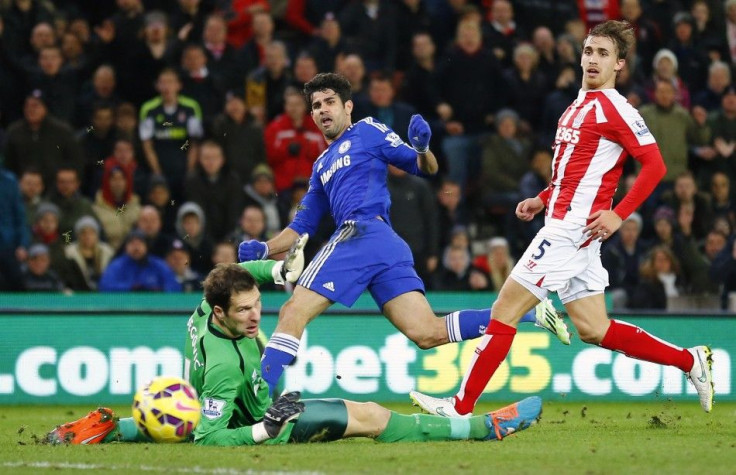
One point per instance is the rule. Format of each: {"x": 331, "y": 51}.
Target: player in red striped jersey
{"x": 594, "y": 137}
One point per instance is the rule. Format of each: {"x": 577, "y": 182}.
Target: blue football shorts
{"x": 362, "y": 254}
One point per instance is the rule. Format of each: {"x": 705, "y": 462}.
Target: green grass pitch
{"x": 572, "y": 438}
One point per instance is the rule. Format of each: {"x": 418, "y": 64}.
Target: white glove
{"x": 292, "y": 266}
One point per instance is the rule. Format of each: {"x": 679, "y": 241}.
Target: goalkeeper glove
{"x": 252, "y": 250}
{"x": 285, "y": 409}
{"x": 292, "y": 266}
{"x": 419, "y": 133}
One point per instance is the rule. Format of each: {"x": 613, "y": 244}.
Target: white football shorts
{"x": 562, "y": 259}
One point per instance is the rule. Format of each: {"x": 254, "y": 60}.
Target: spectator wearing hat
{"x": 676, "y": 131}
{"x": 215, "y": 189}
{"x": 240, "y": 137}
{"x": 138, "y": 271}
{"x": 155, "y": 51}
{"x": 665, "y": 68}
{"x": 38, "y": 275}
{"x": 191, "y": 225}
{"x": 178, "y": 261}
{"x": 261, "y": 191}
{"x": 45, "y": 230}
{"x": 149, "y": 223}
{"x": 293, "y": 142}
{"x": 116, "y": 206}
{"x": 14, "y": 232}
{"x": 722, "y": 125}
{"x": 66, "y": 195}
{"x": 31, "y": 189}
{"x": 88, "y": 253}
{"x": 41, "y": 141}
{"x": 622, "y": 256}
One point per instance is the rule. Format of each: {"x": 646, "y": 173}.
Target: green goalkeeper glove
{"x": 292, "y": 266}
{"x": 285, "y": 409}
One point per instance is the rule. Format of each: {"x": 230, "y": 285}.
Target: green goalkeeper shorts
{"x": 323, "y": 420}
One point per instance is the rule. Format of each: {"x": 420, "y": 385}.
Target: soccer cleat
{"x": 701, "y": 375}
{"x": 511, "y": 419}
{"x": 549, "y": 318}
{"x": 437, "y": 406}
{"x": 90, "y": 429}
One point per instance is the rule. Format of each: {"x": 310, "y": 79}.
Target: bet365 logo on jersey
{"x": 567, "y": 134}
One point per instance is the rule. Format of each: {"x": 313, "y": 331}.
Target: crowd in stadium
{"x": 142, "y": 140}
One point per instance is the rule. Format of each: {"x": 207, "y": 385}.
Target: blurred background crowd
{"x": 142, "y": 140}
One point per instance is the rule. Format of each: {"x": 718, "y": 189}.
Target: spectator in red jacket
{"x": 293, "y": 141}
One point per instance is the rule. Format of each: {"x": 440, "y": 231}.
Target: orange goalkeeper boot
{"x": 90, "y": 429}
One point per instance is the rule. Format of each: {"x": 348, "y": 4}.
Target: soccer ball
{"x": 167, "y": 409}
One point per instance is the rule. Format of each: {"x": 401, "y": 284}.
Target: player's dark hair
{"x": 620, "y": 32}
{"x": 225, "y": 280}
{"x": 323, "y": 81}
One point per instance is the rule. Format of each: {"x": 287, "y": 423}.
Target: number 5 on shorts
{"x": 542, "y": 249}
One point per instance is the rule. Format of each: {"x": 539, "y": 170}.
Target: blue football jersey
{"x": 349, "y": 178}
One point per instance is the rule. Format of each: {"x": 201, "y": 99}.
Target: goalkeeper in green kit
{"x": 223, "y": 364}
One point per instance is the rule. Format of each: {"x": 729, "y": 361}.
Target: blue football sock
{"x": 469, "y": 324}
{"x": 278, "y": 354}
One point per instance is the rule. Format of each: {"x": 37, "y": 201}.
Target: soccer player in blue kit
{"x": 349, "y": 181}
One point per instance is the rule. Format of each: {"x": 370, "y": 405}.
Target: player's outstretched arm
{"x": 419, "y": 136}
{"x": 255, "y": 250}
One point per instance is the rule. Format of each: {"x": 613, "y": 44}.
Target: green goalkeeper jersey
{"x": 226, "y": 373}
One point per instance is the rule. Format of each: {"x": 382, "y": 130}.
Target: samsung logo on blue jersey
{"x": 336, "y": 165}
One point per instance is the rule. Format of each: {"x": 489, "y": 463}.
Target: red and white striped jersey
{"x": 594, "y": 137}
